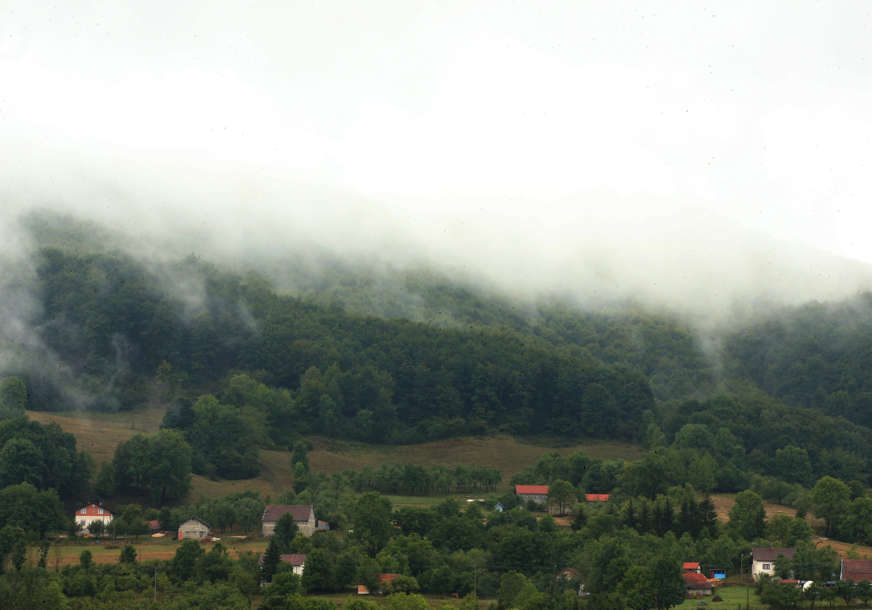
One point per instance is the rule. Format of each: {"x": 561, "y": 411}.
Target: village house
{"x": 691, "y": 566}
{"x": 304, "y": 515}
{"x": 193, "y": 529}
{"x": 534, "y": 493}
{"x": 856, "y": 570}
{"x": 297, "y": 561}
{"x": 87, "y": 515}
{"x": 696, "y": 585}
{"x": 596, "y": 497}
{"x": 763, "y": 560}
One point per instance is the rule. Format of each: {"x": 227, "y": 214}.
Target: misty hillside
{"x": 409, "y": 355}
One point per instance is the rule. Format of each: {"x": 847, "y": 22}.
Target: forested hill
{"x": 398, "y": 355}
{"x": 817, "y": 356}
{"x": 121, "y": 332}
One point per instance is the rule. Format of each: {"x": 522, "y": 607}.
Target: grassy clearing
{"x": 435, "y": 601}
{"x": 100, "y": 433}
{"x": 508, "y": 455}
{"x": 733, "y": 596}
{"x": 108, "y": 551}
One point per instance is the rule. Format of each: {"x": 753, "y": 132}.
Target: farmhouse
{"x": 535, "y": 493}
{"x": 304, "y": 515}
{"x": 87, "y": 515}
{"x": 193, "y": 529}
{"x": 297, "y": 561}
{"x": 856, "y": 570}
{"x": 763, "y": 560}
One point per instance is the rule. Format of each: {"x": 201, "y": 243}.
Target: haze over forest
{"x": 709, "y": 159}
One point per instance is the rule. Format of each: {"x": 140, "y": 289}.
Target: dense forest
{"x": 397, "y": 356}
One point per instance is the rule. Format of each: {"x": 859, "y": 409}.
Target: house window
{"x": 100, "y": 511}
{"x": 766, "y": 566}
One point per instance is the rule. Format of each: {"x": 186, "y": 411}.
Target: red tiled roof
{"x": 596, "y": 497}
{"x": 857, "y": 570}
{"x": 93, "y": 510}
{"x": 690, "y": 565}
{"x": 692, "y": 580}
{"x": 386, "y": 579}
{"x": 531, "y": 490}
{"x": 299, "y": 511}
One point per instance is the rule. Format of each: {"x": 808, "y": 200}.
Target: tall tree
{"x": 748, "y": 515}
{"x": 371, "y": 516}
{"x": 560, "y": 492}
{"x": 830, "y": 498}
{"x": 285, "y": 532}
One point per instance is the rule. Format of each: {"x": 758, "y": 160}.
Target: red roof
{"x": 690, "y": 565}
{"x": 386, "y": 579}
{"x": 596, "y": 497}
{"x": 692, "y": 580}
{"x": 857, "y": 570}
{"x": 531, "y": 490}
{"x": 93, "y": 510}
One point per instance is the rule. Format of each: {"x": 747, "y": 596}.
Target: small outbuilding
{"x": 193, "y": 529}
{"x": 596, "y": 497}
{"x": 532, "y": 493}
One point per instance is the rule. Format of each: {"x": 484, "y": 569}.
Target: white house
{"x": 87, "y": 515}
{"x": 193, "y": 529}
{"x": 763, "y": 560}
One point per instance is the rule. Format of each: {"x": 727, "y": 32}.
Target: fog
{"x": 706, "y": 158}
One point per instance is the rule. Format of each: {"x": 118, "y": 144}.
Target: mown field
{"x": 100, "y": 433}
{"x": 108, "y": 551}
{"x": 732, "y": 596}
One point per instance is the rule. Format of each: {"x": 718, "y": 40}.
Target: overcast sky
{"x": 472, "y": 129}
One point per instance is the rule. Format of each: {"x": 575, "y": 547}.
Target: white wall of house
{"x": 537, "y": 498}
{"x": 193, "y": 529}
{"x": 83, "y": 521}
{"x": 759, "y": 568}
